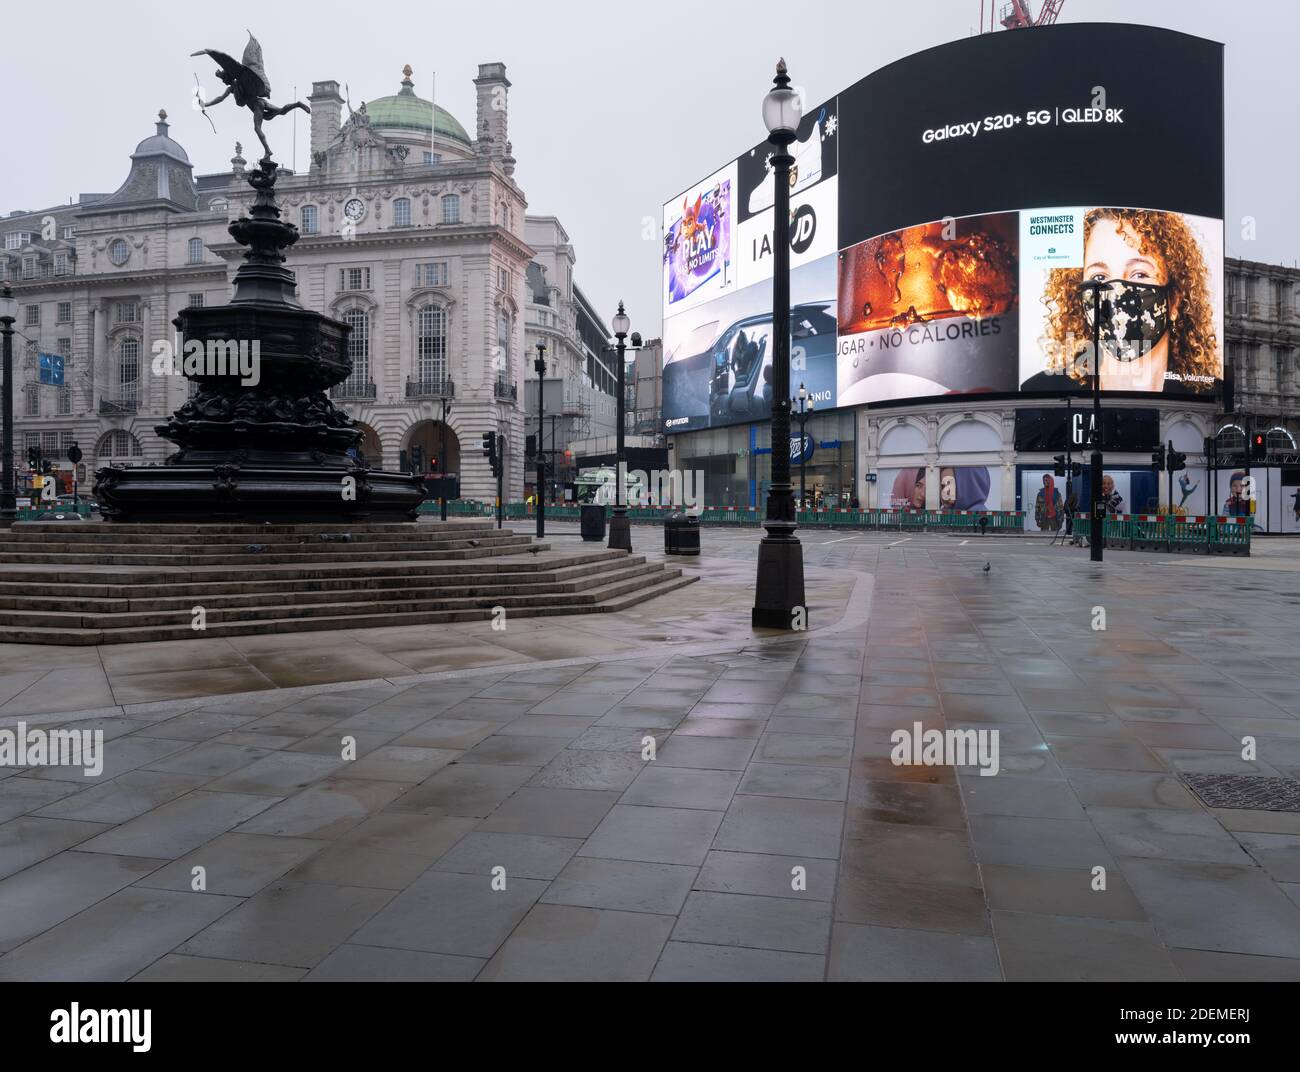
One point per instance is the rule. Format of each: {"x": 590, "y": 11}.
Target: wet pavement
{"x": 458, "y": 802}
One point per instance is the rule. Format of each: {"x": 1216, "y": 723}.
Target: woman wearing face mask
{"x": 1157, "y": 320}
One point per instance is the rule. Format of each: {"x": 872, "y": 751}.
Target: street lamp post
{"x": 803, "y": 411}
{"x": 442, "y": 448}
{"x": 1096, "y": 509}
{"x": 8, "y": 313}
{"x": 539, "y": 366}
{"x": 779, "y": 591}
{"x": 620, "y": 531}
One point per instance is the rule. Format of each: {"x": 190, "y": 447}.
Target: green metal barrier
{"x": 1231, "y": 535}
{"x": 34, "y": 513}
{"x": 1172, "y": 533}
{"x": 903, "y": 520}
{"x": 459, "y": 508}
{"x": 1190, "y": 534}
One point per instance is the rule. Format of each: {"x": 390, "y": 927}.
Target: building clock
{"x": 354, "y": 208}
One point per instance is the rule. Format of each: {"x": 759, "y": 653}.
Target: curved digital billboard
{"x": 944, "y": 212}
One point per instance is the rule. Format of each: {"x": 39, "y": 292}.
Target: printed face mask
{"x": 1134, "y": 317}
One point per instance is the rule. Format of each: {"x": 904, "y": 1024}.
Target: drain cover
{"x": 1253, "y": 791}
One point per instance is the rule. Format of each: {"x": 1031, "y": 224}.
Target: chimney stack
{"x": 491, "y": 128}
{"x": 326, "y": 116}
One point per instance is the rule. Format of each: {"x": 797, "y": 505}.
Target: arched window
{"x": 451, "y": 208}
{"x": 1230, "y": 438}
{"x": 218, "y": 204}
{"x": 402, "y": 212}
{"x": 1279, "y": 439}
{"x": 196, "y": 251}
{"x": 118, "y": 443}
{"x": 119, "y": 251}
{"x": 502, "y": 360}
{"x": 358, "y": 346}
{"x": 128, "y": 366}
{"x": 431, "y": 353}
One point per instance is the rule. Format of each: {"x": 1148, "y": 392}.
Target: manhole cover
{"x": 1253, "y": 791}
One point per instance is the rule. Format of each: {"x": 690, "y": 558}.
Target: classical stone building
{"x": 1262, "y": 329}
{"x": 412, "y": 230}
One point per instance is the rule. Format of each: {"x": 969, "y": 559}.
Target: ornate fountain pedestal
{"x": 260, "y": 440}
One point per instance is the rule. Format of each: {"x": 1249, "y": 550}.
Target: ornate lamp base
{"x": 779, "y": 594}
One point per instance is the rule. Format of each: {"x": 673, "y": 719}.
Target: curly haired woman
{"x": 1158, "y": 331}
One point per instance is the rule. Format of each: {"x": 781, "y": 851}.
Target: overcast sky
{"x": 616, "y": 105}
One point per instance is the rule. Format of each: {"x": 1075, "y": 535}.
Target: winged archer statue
{"x": 251, "y": 88}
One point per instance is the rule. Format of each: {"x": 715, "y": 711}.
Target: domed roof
{"x": 160, "y": 144}
{"x": 404, "y": 111}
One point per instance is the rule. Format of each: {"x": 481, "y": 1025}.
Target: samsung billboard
{"x": 944, "y": 211}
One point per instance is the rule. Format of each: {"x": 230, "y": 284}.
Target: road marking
{"x": 855, "y": 536}
{"x": 896, "y": 542}
{"x": 963, "y": 543}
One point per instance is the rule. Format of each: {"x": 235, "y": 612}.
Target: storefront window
{"x": 737, "y": 461}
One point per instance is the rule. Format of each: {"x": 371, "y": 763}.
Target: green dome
{"x": 405, "y": 111}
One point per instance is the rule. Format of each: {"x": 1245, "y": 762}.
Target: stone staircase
{"x": 104, "y": 583}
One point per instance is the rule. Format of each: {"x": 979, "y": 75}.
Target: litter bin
{"x": 681, "y": 534}
{"x": 592, "y": 522}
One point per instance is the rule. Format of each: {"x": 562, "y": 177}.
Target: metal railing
{"x": 353, "y": 389}
{"x": 506, "y": 391}
{"x": 430, "y": 389}
{"x": 110, "y": 407}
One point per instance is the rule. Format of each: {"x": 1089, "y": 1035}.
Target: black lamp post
{"x": 1096, "y": 508}
{"x": 779, "y": 593}
{"x": 446, "y": 388}
{"x": 539, "y": 366}
{"x": 620, "y": 531}
{"x": 8, "y": 313}
{"x": 803, "y": 411}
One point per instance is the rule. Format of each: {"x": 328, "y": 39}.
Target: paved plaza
{"x": 502, "y": 820}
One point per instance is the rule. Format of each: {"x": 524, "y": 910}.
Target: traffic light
{"x": 1076, "y": 469}
{"x": 530, "y": 446}
{"x": 1175, "y": 460}
{"x": 34, "y": 458}
{"x": 417, "y": 458}
{"x": 1059, "y": 468}
{"x": 1258, "y": 451}
{"x": 1158, "y": 458}
{"x": 490, "y": 450}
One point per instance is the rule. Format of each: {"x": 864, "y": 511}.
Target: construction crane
{"x": 1017, "y": 14}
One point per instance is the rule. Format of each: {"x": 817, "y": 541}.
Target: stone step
{"x": 320, "y": 607}
{"x": 103, "y": 535}
{"x": 84, "y": 636}
{"x": 121, "y": 583}
{"x": 223, "y": 557}
{"x": 222, "y": 580}
{"x": 239, "y": 529}
{"x": 572, "y": 579}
